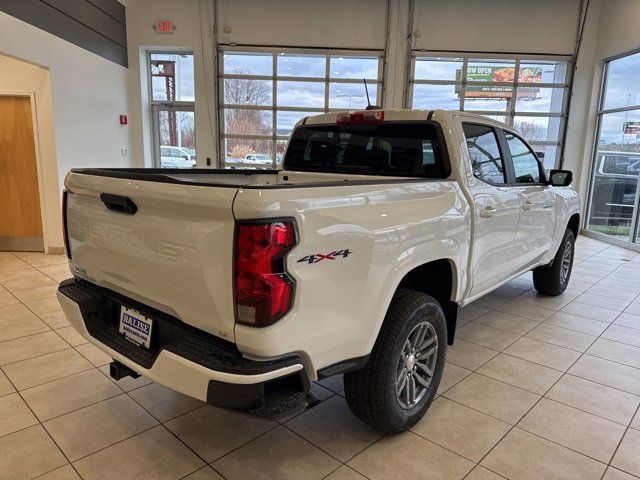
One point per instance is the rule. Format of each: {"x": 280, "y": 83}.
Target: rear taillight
{"x": 363, "y": 116}
{"x": 263, "y": 289}
{"x": 65, "y": 231}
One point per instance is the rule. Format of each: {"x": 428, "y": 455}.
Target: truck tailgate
{"x": 174, "y": 253}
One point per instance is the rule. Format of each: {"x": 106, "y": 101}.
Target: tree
{"x": 241, "y": 91}
{"x": 163, "y": 127}
{"x": 238, "y": 121}
{"x": 246, "y": 91}
{"x": 240, "y": 151}
{"x": 531, "y": 130}
{"x": 247, "y": 122}
{"x": 187, "y": 130}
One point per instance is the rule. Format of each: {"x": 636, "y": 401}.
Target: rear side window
{"x": 486, "y": 159}
{"x": 392, "y": 149}
{"x": 525, "y": 164}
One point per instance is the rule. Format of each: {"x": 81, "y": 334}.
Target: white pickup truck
{"x": 240, "y": 288}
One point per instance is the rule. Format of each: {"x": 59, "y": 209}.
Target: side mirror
{"x": 560, "y": 178}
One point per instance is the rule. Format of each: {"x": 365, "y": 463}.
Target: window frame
{"x": 510, "y": 113}
{"x": 511, "y": 167}
{"x": 155, "y": 110}
{"x": 634, "y": 230}
{"x": 501, "y": 146}
{"x": 275, "y": 78}
{"x": 155, "y": 106}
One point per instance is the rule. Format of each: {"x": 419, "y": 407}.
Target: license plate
{"x": 135, "y": 327}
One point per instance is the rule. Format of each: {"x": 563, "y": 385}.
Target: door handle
{"x": 528, "y": 205}
{"x": 487, "y": 212}
{"x": 118, "y": 203}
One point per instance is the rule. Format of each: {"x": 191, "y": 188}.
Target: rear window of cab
{"x": 389, "y": 149}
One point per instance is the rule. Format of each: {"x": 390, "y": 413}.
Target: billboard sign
{"x": 632, "y": 128}
{"x": 493, "y": 74}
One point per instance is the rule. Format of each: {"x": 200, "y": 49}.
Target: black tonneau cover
{"x": 188, "y": 176}
{"x": 205, "y": 177}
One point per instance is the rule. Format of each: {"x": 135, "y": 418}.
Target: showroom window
{"x": 265, "y": 92}
{"x": 528, "y": 94}
{"x": 172, "y": 95}
{"x": 613, "y": 198}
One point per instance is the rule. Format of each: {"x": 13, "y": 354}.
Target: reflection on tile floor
{"x": 534, "y": 388}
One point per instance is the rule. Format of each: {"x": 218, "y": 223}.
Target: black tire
{"x": 550, "y": 279}
{"x": 371, "y": 391}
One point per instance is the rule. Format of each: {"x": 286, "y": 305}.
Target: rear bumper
{"x": 182, "y": 358}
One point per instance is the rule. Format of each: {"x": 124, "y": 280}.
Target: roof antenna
{"x": 369, "y": 106}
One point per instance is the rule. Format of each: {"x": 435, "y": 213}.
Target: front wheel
{"x": 553, "y": 279}
{"x": 396, "y": 387}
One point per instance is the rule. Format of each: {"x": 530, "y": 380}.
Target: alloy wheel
{"x": 416, "y": 365}
{"x": 565, "y": 266}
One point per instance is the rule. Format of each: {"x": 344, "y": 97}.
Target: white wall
{"x": 354, "y": 24}
{"x": 328, "y": 23}
{"x": 88, "y": 93}
{"x": 619, "y": 30}
{"x": 520, "y": 26}
{"x": 582, "y": 119}
{"x": 193, "y": 33}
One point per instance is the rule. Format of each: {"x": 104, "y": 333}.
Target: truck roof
{"x": 395, "y": 115}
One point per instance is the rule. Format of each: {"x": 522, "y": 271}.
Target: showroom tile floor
{"x": 534, "y": 388}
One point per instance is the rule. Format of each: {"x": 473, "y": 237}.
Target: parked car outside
{"x": 177, "y": 157}
{"x": 614, "y": 191}
{"x": 258, "y": 159}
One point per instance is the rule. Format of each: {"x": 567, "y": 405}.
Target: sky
{"x": 184, "y": 78}
{"x": 622, "y": 90}
{"x": 623, "y": 82}
{"x": 435, "y": 68}
{"x": 352, "y": 95}
{"x": 292, "y": 93}
{"x": 445, "y": 96}
{"x": 540, "y": 100}
{"x": 612, "y": 128}
{"x": 297, "y": 65}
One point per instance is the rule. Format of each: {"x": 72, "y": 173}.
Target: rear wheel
{"x": 553, "y": 279}
{"x": 394, "y": 390}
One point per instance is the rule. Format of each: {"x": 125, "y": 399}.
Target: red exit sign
{"x": 164, "y": 26}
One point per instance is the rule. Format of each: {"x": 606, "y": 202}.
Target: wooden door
{"x": 20, "y": 219}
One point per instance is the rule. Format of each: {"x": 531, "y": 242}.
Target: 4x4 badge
{"x": 318, "y": 257}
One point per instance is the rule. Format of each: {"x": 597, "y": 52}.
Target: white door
{"x": 495, "y": 255}
{"x": 537, "y": 201}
